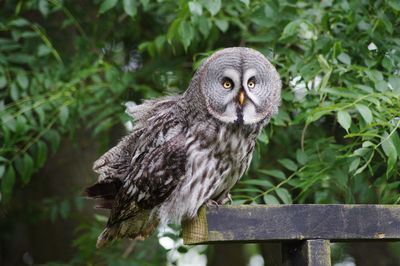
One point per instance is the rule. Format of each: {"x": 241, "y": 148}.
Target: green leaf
{"x": 41, "y": 154}
{"x": 43, "y": 50}
{"x": 258, "y": 182}
{"x": 107, "y": 5}
{"x": 289, "y": 164}
{"x": 323, "y": 63}
{"x": 344, "y": 119}
{"x": 2, "y": 170}
{"x": 173, "y": 30}
{"x": 3, "y": 82}
{"x": 14, "y": 93}
{"x": 22, "y": 80}
{"x": 248, "y": 190}
{"x": 275, "y": 173}
{"x": 365, "y": 113}
{"x": 24, "y": 167}
{"x": 263, "y": 137}
{"x": 301, "y": 157}
{"x": 130, "y": 7}
{"x": 246, "y": 2}
{"x": 344, "y": 58}
{"x": 390, "y": 151}
{"x": 290, "y": 29}
{"x": 395, "y": 4}
{"x": 361, "y": 151}
{"x": 354, "y": 164}
{"x": 54, "y": 138}
{"x": 387, "y": 63}
{"x": 222, "y": 24}
{"x": 381, "y": 85}
{"x": 396, "y": 142}
{"x": 204, "y": 25}
{"x": 284, "y": 195}
{"x": 44, "y": 7}
{"x": 7, "y": 183}
{"x": 213, "y": 6}
{"x": 63, "y": 114}
{"x": 9, "y": 121}
{"x": 186, "y": 34}
{"x": 367, "y": 144}
{"x": 394, "y": 83}
{"x": 270, "y": 200}
{"x": 374, "y": 75}
{"x": 41, "y": 114}
{"x": 19, "y": 22}
{"x": 195, "y": 8}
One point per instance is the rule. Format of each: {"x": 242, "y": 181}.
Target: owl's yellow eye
{"x": 227, "y": 84}
{"x": 251, "y": 84}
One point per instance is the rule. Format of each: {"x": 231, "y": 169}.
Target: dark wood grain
{"x": 315, "y": 252}
{"x": 249, "y": 223}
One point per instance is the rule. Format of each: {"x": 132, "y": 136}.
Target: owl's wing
{"x": 116, "y": 161}
{"x": 151, "y": 178}
{"x": 160, "y": 171}
{"x": 112, "y": 167}
{"x": 151, "y": 117}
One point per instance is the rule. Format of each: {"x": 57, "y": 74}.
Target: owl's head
{"x": 238, "y": 85}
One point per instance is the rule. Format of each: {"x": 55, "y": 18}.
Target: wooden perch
{"x": 305, "y": 230}
{"x": 252, "y": 223}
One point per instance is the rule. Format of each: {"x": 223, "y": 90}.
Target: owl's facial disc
{"x": 240, "y": 86}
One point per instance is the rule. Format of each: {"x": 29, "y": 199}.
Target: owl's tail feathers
{"x": 106, "y": 237}
{"x": 110, "y": 234}
{"x": 104, "y": 191}
{"x": 139, "y": 227}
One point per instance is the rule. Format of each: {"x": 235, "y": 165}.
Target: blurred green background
{"x": 68, "y": 67}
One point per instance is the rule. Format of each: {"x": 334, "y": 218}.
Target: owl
{"x": 187, "y": 150}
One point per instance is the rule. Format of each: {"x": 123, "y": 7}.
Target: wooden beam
{"x": 253, "y": 223}
{"x": 307, "y": 253}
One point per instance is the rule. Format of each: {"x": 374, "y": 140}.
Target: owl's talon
{"x": 227, "y": 199}
{"x": 212, "y": 203}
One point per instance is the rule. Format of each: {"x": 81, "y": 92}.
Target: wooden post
{"x": 315, "y": 252}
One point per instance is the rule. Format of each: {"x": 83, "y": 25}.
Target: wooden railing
{"x": 304, "y": 230}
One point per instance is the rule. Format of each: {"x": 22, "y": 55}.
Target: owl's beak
{"x": 241, "y": 97}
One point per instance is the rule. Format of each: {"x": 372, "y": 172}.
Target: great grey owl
{"x": 187, "y": 150}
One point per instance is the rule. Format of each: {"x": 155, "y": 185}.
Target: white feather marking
{"x": 130, "y": 190}
{"x": 250, "y": 115}
{"x": 230, "y": 114}
{"x": 168, "y": 181}
{"x": 141, "y": 196}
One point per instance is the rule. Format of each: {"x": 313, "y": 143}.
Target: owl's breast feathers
{"x": 169, "y": 166}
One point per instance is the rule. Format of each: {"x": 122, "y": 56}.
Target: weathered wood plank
{"x": 315, "y": 252}
{"x": 335, "y": 222}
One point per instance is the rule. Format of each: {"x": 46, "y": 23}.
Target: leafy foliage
{"x": 336, "y": 138}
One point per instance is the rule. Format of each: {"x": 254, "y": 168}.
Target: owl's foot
{"x": 226, "y": 200}
{"x": 212, "y": 203}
